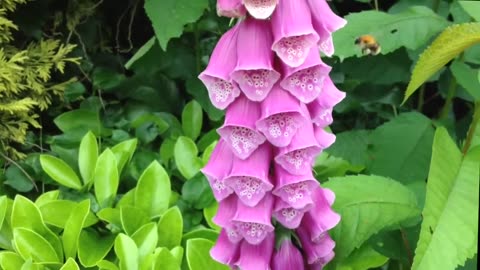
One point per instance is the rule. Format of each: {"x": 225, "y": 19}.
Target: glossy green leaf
{"x": 29, "y": 265}
{"x": 47, "y": 197}
{"x": 81, "y": 119}
{"x": 3, "y": 209}
{"x": 169, "y": 17}
{"x": 107, "y": 265}
{"x": 127, "y": 252}
{"x": 208, "y": 152}
{"x": 472, "y": 8}
{"x": 166, "y": 261}
{"x": 351, "y": 146}
{"x": 70, "y": 265}
{"x": 124, "y": 152}
{"x": 467, "y": 78}
{"x": 153, "y": 190}
{"x": 10, "y": 260}
{"x": 177, "y": 252}
{"x": 146, "y": 238}
{"x": 128, "y": 198}
{"x": 132, "y": 219}
{"x": 185, "y": 154}
{"x": 197, "y": 192}
{"x": 363, "y": 258}
{"x": 57, "y": 212}
{"x": 204, "y": 233}
{"x": 59, "y": 171}
{"x": 73, "y": 228}
{"x": 106, "y": 178}
{"x": 170, "y": 228}
{"x": 92, "y": 248}
{"x": 30, "y": 244}
{"x": 450, "y": 216}
{"x": 141, "y": 52}
{"x": 198, "y": 256}
{"x": 192, "y": 119}
{"x": 111, "y": 215}
{"x": 209, "y": 213}
{"x": 87, "y": 157}
{"x": 372, "y": 203}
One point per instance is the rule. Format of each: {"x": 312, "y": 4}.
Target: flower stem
{"x": 473, "y": 127}
{"x": 436, "y": 5}
{"x": 376, "y": 4}
{"x": 421, "y": 98}
{"x": 452, "y": 89}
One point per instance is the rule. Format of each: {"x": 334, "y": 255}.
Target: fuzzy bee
{"x": 368, "y": 44}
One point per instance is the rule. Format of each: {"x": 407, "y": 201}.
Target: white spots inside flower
{"x": 257, "y": 83}
{"x": 219, "y": 185}
{"x": 244, "y": 140}
{"x": 222, "y": 90}
{"x": 326, "y": 46}
{"x": 253, "y": 232}
{"x": 306, "y": 84}
{"x": 248, "y": 186}
{"x": 323, "y": 116}
{"x": 282, "y": 124}
{"x": 293, "y": 50}
{"x": 289, "y": 214}
{"x": 261, "y": 9}
{"x": 296, "y": 192}
{"x": 233, "y": 235}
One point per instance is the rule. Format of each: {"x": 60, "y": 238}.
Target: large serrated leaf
{"x": 450, "y": 217}
{"x": 367, "y": 205}
{"x": 169, "y": 16}
{"x": 450, "y": 43}
{"x": 411, "y": 28}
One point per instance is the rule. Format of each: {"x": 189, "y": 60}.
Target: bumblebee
{"x": 368, "y": 44}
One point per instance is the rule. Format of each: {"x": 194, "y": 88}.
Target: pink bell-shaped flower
{"x": 293, "y": 33}
{"x": 254, "y": 223}
{"x": 315, "y": 252}
{"x": 217, "y": 168}
{"x": 254, "y": 72}
{"x": 256, "y": 256}
{"x": 287, "y": 257}
{"x": 288, "y": 216}
{"x": 231, "y": 8}
{"x": 325, "y": 22}
{"x": 297, "y": 158}
{"x": 260, "y": 9}
{"x": 294, "y": 189}
{"x": 224, "y": 251}
{"x": 239, "y": 128}
{"x": 324, "y": 139}
{"x": 306, "y": 81}
{"x": 321, "y": 262}
{"x": 249, "y": 178}
{"x": 223, "y": 218}
{"x": 321, "y": 217}
{"x": 216, "y": 77}
{"x": 321, "y": 108}
{"x": 282, "y": 115}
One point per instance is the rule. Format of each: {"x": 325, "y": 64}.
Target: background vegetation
{"x": 104, "y": 127}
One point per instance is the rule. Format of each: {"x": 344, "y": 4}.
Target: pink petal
{"x": 329, "y": 195}
{"x": 321, "y": 262}
{"x": 325, "y": 22}
{"x": 217, "y": 168}
{"x": 288, "y": 216}
{"x": 231, "y": 8}
{"x": 249, "y": 178}
{"x": 282, "y": 115}
{"x": 224, "y": 251}
{"x": 321, "y": 108}
{"x": 324, "y": 139}
{"x": 216, "y": 77}
{"x": 256, "y": 257}
{"x": 306, "y": 81}
{"x": 260, "y": 9}
{"x": 294, "y": 189}
{"x": 239, "y": 128}
{"x": 288, "y": 257}
{"x": 226, "y": 211}
{"x": 253, "y": 223}
{"x": 298, "y": 156}
{"x": 254, "y": 72}
{"x": 293, "y": 32}
{"x": 315, "y": 252}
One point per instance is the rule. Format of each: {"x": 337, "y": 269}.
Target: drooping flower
{"x": 287, "y": 257}
{"x": 256, "y": 257}
{"x": 325, "y": 22}
{"x": 239, "y": 128}
{"x": 223, "y": 218}
{"x": 293, "y": 33}
{"x": 305, "y": 82}
{"x": 217, "y": 168}
{"x": 288, "y": 216}
{"x": 260, "y": 9}
{"x": 231, "y": 8}
{"x": 225, "y": 251}
{"x": 321, "y": 108}
{"x": 281, "y": 116}
{"x": 254, "y": 223}
{"x": 254, "y": 72}
{"x": 294, "y": 189}
{"x": 216, "y": 77}
{"x": 324, "y": 139}
{"x": 315, "y": 252}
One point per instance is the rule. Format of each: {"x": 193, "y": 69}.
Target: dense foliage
{"x": 110, "y": 174}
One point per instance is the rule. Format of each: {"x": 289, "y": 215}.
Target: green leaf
{"x": 169, "y": 16}
{"x": 3, "y": 209}
{"x": 106, "y": 265}
{"x": 208, "y": 234}
{"x": 132, "y": 219}
{"x": 472, "y": 8}
{"x": 198, "y": 256}
{"x": 166, "y": 261}
{"x": 59, "y": 171}
{"x": 92, "y": 248}
{"x": 209, "y": 213}
{"x": 124, "y": 153}
{"x": 401, "y": 148}
{"x": 141, "y": 52}
{"x": 30, "y": 244}
{"x": 363, "y": 258}
{"x": 73, "y": 228}
{"x": 166, "y": 150}
{"x": 127, "y": 252}
{"x": 106, "y": 178}
{"x": 197, "y": 192}
{"x": 185, "y": 154}
{"x": 110, "y": 215}
{"x": 70, "y": 265}
{"x": 170, "y": 228}
{"x": 177, "y": 252}
{"x": 47, "y": 197}
{"x": 192, "y": 119}
{"x": 197, "y": 89}
{"x": 153, "y": 190}
{"x": 467, "y": 78}
{"x": 17, "y": 179}
{"x": 146, "y": 238}
{"x": 351, "y": 146}
{"x": 411, "y": 28}
{"x": 371, "y": 203}
{"x": 57, "y": 212}
{"x": 10, "y": 260}
{"x": 79, "y": 120}
{"x": 87, "y": 157}
{"x": 450, "y": 216}
{"x": 450, "y": 43}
